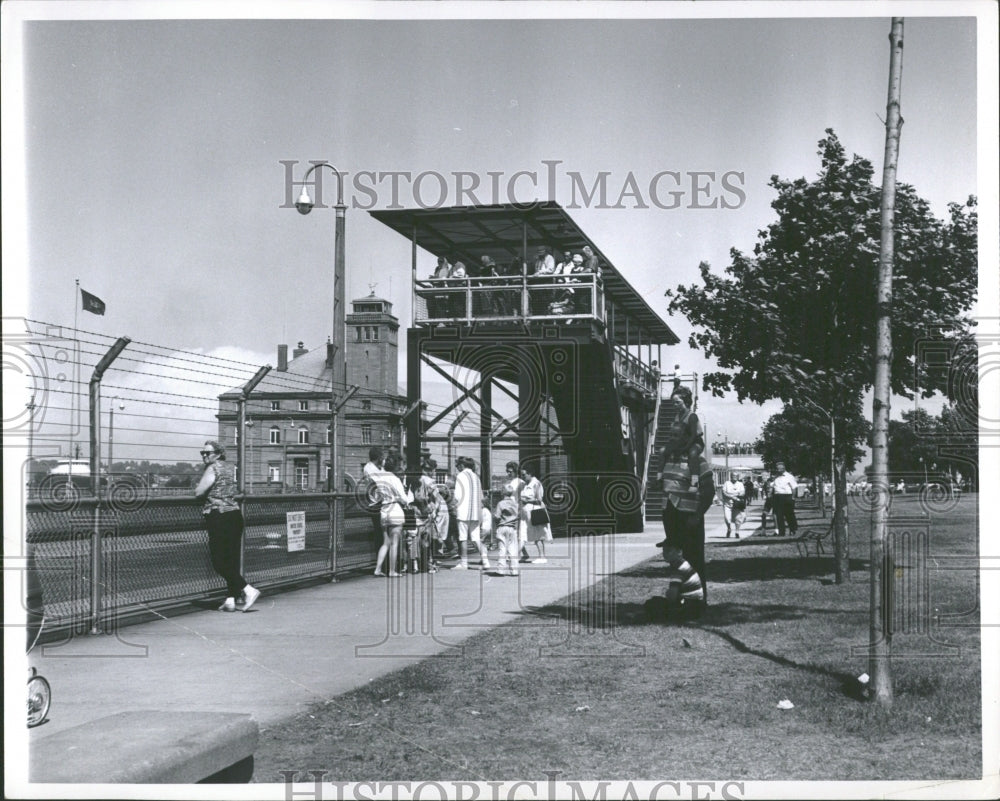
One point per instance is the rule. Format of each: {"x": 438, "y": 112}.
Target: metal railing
{"x": 633, "y": 372}
{"x": 100, "y": 563}
{"x": 543, "y": 297}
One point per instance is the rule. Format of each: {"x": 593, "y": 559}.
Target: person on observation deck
{"x": 544, "y": 268}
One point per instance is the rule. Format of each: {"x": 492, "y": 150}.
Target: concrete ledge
{"x": 149, "y": 747}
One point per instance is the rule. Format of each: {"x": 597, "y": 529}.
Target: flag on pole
{"x": 92, "y": 303}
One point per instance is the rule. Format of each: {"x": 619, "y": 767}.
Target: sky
{"x": 149, "y": 162}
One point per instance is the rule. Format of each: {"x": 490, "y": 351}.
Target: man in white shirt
{"x": 783, "y": 500}
{"x": 733, "y": 504}
{"x": 469, "y": 512}
{"x": 545, "y": 264}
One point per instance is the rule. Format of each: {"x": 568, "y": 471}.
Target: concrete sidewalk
{"x": 295, "y": 648}
{"x": 301, "y": 646}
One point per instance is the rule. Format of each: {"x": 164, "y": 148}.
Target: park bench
{"x": 149, "y": 747}
{"x": 815, "y": 535}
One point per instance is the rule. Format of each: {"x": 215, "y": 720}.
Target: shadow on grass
{"x": 753, "y": 568}
{"x": 600, "y": 615}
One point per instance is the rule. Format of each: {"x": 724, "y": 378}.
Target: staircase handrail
{"x": 651, "y": 439}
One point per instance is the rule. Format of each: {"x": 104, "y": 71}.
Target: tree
{"x": 940, "y": 446}
{"x": 799, "y": 436}
{"x": 796, "y": 319}
{"x": 911, "y": 442}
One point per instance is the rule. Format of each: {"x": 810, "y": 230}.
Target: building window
{"x": 274, "y": 436}
{"x": 273, "y": 473}
{"x": 302, "y": 476}
{"x": 366, "y": 405}
{"x": 375, "y": 333}
{"x": 359, "y": 333}
{"x": 329, "y": 406}
{"x": 368, "y": 332}
{"x": 303, "y": 406}
{"x": 366, "y": 434}
{"x": 275, "y": 406}
{"x": 329, "y": 434}
{"x": 303, "y": 436}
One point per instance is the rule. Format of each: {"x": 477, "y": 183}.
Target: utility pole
{"x": 882, "y": 569}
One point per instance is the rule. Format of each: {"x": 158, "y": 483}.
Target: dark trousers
{"x": 225, "y": 535}
{"x": 784, "y": 511}
{"x": 686, "y": 530}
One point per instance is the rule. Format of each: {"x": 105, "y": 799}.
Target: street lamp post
{"x": 338, "y": 376}
{"x": 833, "y": 457}
{"x": 451, "y": 436}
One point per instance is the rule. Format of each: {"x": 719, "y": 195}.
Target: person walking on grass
{"x": 469, "y": 512}
{"x": 224, "y": 523}
{"x": 688, "y": 486}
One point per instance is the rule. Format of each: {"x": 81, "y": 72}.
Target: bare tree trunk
{"x": 880, "y": 633}
{"x": 838, "y": 490}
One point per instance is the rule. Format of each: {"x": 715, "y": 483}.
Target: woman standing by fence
{"x": 224, "y": 522}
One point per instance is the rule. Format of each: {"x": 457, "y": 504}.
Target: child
{"x": 506, "y": 531}
{"x": 685, "y": 594}
{"x": 486, "y": 526}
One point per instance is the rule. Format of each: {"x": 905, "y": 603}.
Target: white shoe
{"x": 251, "y": 594}
{"x": 228, "y": 606}
{"x": 485, "y": 563}
{"x": 461, "y": 566}
{"x": 512, "y": 572}
{"x": 541, "y": 560}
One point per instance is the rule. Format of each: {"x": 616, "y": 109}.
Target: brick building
{"x": 288, "y": 445}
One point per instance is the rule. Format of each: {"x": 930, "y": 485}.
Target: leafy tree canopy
{"x": 799, "y": 436}
{"x": 797, "y": 318}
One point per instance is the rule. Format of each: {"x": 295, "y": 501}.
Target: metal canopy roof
{"x": 501, "y": 231}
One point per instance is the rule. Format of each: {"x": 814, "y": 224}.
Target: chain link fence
{"x": 98, "y": 564}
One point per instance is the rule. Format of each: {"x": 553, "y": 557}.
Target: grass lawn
{"x": 697, "y": 700}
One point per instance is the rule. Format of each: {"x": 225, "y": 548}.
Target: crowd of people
{"x": 493, "y": 298}
{"x": 422, "y": 523}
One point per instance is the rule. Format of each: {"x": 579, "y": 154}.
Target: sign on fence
{"x": 295, "y": 523}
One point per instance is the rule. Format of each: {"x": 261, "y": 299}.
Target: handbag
{"x": 540, "y": 516}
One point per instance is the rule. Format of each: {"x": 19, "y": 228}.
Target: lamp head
{"x": 304, "y": 204}
{"x": 121, "y": 404}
